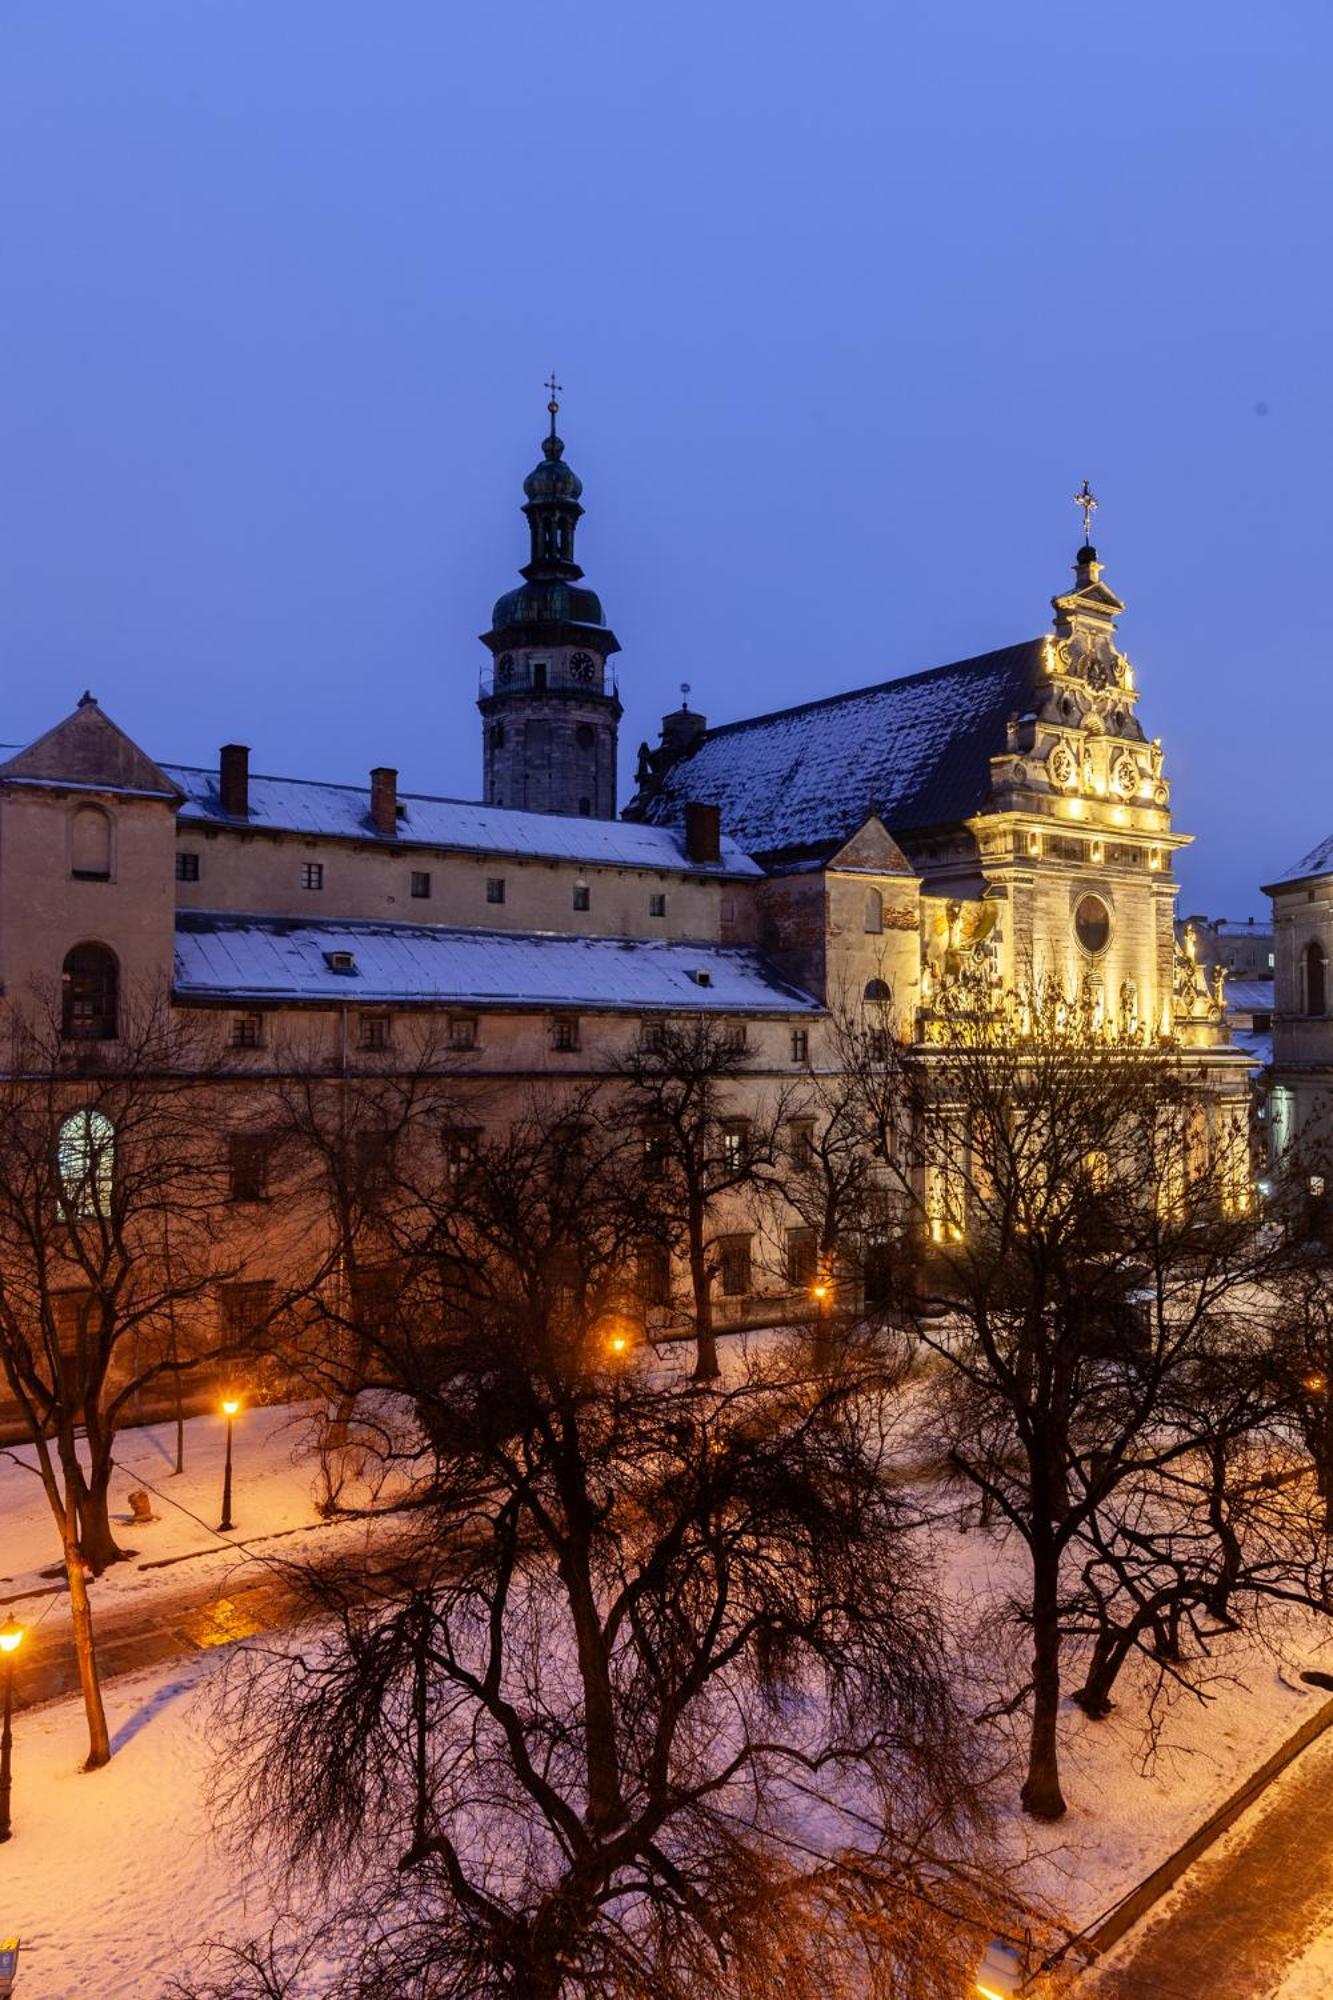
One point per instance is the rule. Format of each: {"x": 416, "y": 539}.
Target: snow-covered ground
{"x": 114, "y": 1879}
{"x": 275, "y": 1491}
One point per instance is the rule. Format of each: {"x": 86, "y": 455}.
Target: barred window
{"x": 247, "y": 1031}
{"x": 312, "y": 874}
{"x": 187, "y": 867}
{"x": 800, "y": 1045}
{"x": 565, "y": 1034}
{"x": 495, "y": 888}
{"x": 375, "y": 1032}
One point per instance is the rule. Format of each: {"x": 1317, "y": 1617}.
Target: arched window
{"x": 1316, "y": 981}
{"x": 878, "y": 992}
{"x": 90, "y": 845}
{"x": 89, "y": 992}
{"x": 874, "y": 910}
{"x": 86, "y": 1159}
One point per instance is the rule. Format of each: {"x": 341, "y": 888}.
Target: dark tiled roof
{"x": 917, "y": 750}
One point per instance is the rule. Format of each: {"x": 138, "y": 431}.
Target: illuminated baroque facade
{"x": 1003, "y": 819}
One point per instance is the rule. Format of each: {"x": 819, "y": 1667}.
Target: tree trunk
{"x": 81, "y": 1618}
{"x": 706, "y": 1365}
{"x": 1108, "y": 1657}
{"x": 1041, "y": 1794}
{"x": 97, "y": 1543}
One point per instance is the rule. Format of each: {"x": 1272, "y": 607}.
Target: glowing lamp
{"x": 11, "y": 1636}
{"x": 230, "y": 1406}
{"x": 1314, "y": 1383}
{"x": 617, "y": 1343}
{"x": 1000, "y": 1974}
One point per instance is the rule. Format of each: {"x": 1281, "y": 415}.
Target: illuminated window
{"x": 735, "y": 1144}
{"x": 86, "y": 1161}
{"x": 460, "y": 1150}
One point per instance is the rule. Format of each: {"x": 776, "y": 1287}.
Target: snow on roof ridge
{"x": 873, "y": 687}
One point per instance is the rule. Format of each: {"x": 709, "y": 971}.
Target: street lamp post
{"x": 11, "y": 1635}
{"x": 229, "y": 1408}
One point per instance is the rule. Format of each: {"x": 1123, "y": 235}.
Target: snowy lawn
{"x": 275, "y": 1491}
{"x": 112, "y": 1879}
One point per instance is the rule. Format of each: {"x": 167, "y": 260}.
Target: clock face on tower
{"x": 582, "y": 668}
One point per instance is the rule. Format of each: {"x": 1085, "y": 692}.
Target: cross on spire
{"x": 1087, "y": 500}
{"x": 553, "y": 406}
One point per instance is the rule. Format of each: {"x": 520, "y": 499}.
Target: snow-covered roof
{"x": 1249, "y": 996}
{"x": 303, "y": 805}
{"x": 1319, "y": 861}
{"x": 220, "y": 956}
{"x": 916, "y": 750}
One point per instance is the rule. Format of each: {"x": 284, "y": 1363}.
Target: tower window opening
{"x": 539, "y": 675}
{"x": 90, "y": 981}
{"x": 585, "y": 808}
{"x": 1316, "y": 979}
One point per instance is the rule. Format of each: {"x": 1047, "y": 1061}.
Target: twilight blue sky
{"x": 846, "y": 299}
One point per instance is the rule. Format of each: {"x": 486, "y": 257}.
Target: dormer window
{"x": 341, "y": 961}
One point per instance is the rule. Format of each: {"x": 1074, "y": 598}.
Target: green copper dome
{"x": 553, "y": 479}
{"x": 549, "y": 601}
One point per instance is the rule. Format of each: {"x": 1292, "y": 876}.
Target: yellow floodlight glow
{"x": 11, "y": 1636}
{"x": 230, "y": 1406}
{"x": 617, "y": 1343}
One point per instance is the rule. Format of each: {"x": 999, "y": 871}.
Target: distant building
{"x": 1302, "y": 1083}
{"x": 1243, "y": 950}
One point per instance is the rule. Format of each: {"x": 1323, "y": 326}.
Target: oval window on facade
{"x": 1092, "y": 925}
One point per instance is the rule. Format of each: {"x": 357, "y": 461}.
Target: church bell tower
{"x": 549, "y": 703}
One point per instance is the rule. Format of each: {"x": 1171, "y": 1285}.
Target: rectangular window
{"x": 460, "y": 1150}
{"x": 735, "y": 1144}
{"x": 420, "y": 884}
{"x": 373, "y": 1153}
{"x": 463, "y": 1031}
{"x": 374, "y": 1296}
{"x": 654, "y": 1150}
{"x": 802, "y": 1256}
{"x": 495, "y": 888}
{"x": 653, "y": 1276}
{"x": 312, "y": 875}
{"x": 187, "y": 867}
{"x": 582, "y": 896}
{"x": 734, "y": 1264}
{"x": 653, "y": 1037}
{"x": 733, "y": 1037}
{"x": 246, "y": 1309}
{"x": 800, "y": 1045}
{"x": 801, "y": 1136}
{"x": 657, "y": 905}
{"x": 565, "y": 1033}
{"x": 247, "y": 1031}
{"x": 374, "y": 1031}
{"x": 247, "y": 1166}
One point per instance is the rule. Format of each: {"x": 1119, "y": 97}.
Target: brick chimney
{"x": 234, "y": 780}
{"x": 703, "y": 832}
{"x": 384, "y": 801}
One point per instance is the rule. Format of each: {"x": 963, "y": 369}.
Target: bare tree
{"x": 659, "y": 1704}
{"x": 1091, "y": 1280}
{"x": 710, "y": 1143}
{"x": 113, "y": 1223}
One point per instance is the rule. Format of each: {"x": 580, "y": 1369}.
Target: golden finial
{"x": 1087, "y": 500}
{"x": 554, "y": 407}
